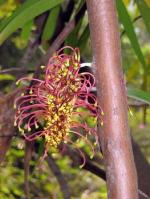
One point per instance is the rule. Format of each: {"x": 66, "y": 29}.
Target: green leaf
{"x": 73, "y": 36}
{"x": 6, "y": 77}
{"x": 72, "y": 39}
{"x": 26, "y": 30}
{"x": 139, "y": 94}
{"x": 24, "y": 6}
{"x": 51, "y": 23}
{"x": 25, "y": 13}
{"x": 145, "y": 12}
{"x": 83, "y": 38}
{"x": 128, "y": 26}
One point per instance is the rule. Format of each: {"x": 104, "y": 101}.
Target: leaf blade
{"x": 145, "y": 12}
{"x": 51, "y": 24}
{"x": 31, "y": 11}
{"x": 83, "y": 38}
{"x": 138, "y": 94}
{"x": 128, "y": 26}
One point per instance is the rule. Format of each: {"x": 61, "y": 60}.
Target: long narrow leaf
{"x": 73, "y": 37}
{"x": 26, "y": 30}
{"x": 50, "y": 24}
{"x": 139, "y": 94}
{"x": 145, "y": 12}
{"x": 24, "y": 6}
{"x": 128, "y": 26}
{"x": 83, "y": 38}
{"x": 28, "y": 13}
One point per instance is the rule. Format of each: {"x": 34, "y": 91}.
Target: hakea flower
{"x": 57, "y": 101}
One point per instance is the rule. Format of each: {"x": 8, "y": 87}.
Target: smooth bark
{"x": 115, "y": 138}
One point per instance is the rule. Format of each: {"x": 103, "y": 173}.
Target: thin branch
{"x": 89, "y": 164}
{"x": 28, "y": 154}
{"x": 10, "y": 70}
{"x": 143, "y": 195}
{"x": 60, "y": 178}
{"x": 59, "y": 40}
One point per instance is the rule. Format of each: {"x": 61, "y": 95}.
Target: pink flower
{"x": 56, "y": 106}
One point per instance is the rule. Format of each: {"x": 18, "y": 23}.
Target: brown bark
{"x": 115, "y": 137}
{"x": 6, "y": 122}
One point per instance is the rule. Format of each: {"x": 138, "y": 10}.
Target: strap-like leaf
{"x": 128, "y": 26}
{"x": 50, "y": 24}
{"x": 145, "y": 12}
{"x": 26, "y": 30}
{"x": 29, "y": 10}
{"x": 139, "y": 94}
{"x": 83, "y": 38}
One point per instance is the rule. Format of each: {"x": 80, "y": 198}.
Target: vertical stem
{"x": 115, "y": 137}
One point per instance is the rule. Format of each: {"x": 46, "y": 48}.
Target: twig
{"x": 14, "y": 70}
{"x": 143, "y": 194}
{"x": 60, "y": 178}
{"x": 59, "y": 40}
{"x": 10, "y": 70}
{"x": 28, "y": 154}
{"x": 89, "y": 164}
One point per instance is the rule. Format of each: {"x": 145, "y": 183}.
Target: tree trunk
{"x": 115, "y": 138}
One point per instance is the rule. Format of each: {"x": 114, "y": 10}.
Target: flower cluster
{"x": 56, "y": 102}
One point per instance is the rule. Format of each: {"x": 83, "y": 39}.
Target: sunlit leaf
{"x": 25, "y": 13}
{"x": 72, "y": 39}
{"x": 6, "y": 77}
{"x": 83, "y": 38}
{"x": 139, "y": 95}
{"x": 51, "y": 23}
{"x": 23, "y": 7}
{"x": 26, "y": 30}
{"x": 145, "y": 12}
{"x": 128, "y": 26}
